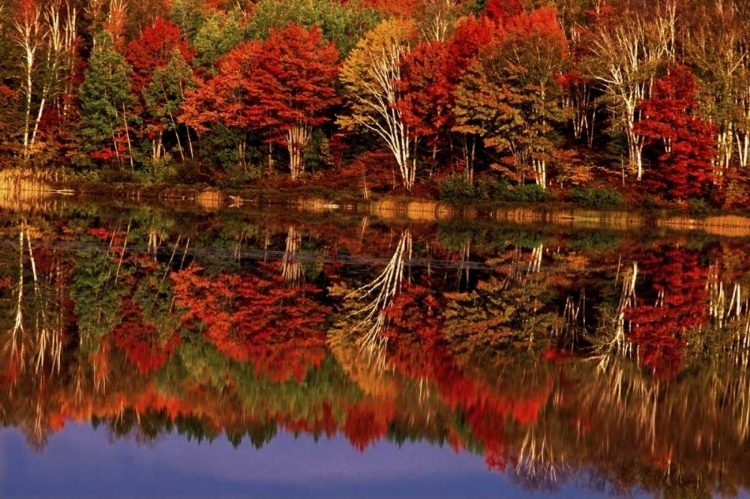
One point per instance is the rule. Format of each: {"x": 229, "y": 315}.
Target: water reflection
{"x": 557, "y": 357}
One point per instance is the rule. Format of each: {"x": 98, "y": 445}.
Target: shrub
{"x": 529, "y": 193}
{"x": 595, "y": 198}
{"x": 457, "y": 189}
{"x": 699, "y": 207}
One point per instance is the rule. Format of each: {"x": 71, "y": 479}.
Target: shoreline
{"x": 388, "y": 206}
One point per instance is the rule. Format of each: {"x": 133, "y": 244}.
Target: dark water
{"x": 174, "y": 352}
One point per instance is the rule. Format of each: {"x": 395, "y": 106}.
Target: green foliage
{"x": 165, "y": 93}
{"x": 317, "y": 153}
{"x": 595, "y": 198}
{"x": 218, "y": 34}
{"x": 528, "y": 193}
{"x": 96, "y": 299}
{"x": 341, "y": 23}
{"x": 104, "y": 95}
{"x": 699, "y": 207}
{"x": 593, "y": 241}
{"x": 187, "y": 15}
{"x": 457, "y": 189}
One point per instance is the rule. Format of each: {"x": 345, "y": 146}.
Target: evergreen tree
{"x": 104, "y": 95}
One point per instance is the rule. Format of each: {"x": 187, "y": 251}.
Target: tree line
{"x": 555, "y": 93}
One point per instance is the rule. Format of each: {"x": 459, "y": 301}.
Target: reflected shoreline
{"x": 548, "y": 353}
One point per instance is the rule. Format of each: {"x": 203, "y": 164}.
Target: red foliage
{"x": 395, "y": 8}
{"x": 539, "y": 27}
{"x": 501, "y": 11}
{"x": 293, "y": 80}
{"x": 686, "y": 144}
{"x": 432, "y": 71}
{"x": 423, "y": 354}
{"x": 674, "y": 303}
{"x": 140, "y": 340}
{"x": 99, "y": 232}
{"x": 281, "y": 86}
{"x": 256, "y": 318}
{"x": 153, "y": 50}
{"x": 366, "y": 423}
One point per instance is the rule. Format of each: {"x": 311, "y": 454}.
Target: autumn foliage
{"x": 280, "y": 88}
{"x": 684, "y": 144}
{"x": 256, "y": 319}
{"x": 559, "y": 94}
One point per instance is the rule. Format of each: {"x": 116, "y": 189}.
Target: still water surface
{"x": 175, "y": 352}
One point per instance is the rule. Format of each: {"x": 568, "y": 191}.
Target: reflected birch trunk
{"x": 378, "y": 296}
{"x": 537, "y": 460}
{"x": 615, "y": 342}
{"x": 730, "y": 315}
{"x": 36, "y": 334}
{"x": 520, "y": 272}
{"x": 464, "y": 271}
{"x": 291, "y": 269}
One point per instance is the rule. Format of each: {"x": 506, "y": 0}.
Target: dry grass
{"x": 728, "y": 225}
{"x": 422, "y": 210}
{"x": 315, "y": 205}
{"x": 725, "y": 225}
{"x": 519, "y": 215}
{"x": 425, "y": 211}
{"x": 387, "y": 208}
{"x": 25, "y": 182}
{"x": 210, "y": 199}
{"x": 27, "y": 190}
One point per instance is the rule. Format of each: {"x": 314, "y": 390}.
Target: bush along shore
{"x": 579, "y": 207}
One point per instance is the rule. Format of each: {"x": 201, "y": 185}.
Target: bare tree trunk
{"x": 30, "y": 38}
{"x": 297, "y": 138}
{"x": 127, "y": 137}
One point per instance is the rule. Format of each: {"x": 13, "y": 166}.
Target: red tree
{"x": 256, "y": 318}
{"x": 281, "y": 87}
{"x": 221, "y": 99}
{"x": 501, "y": 11}
{"x": 684, "y": 143}
{"x": 154, "y": 50}
{"x": 292, "y": 88}
{"x": 430, "y": 74}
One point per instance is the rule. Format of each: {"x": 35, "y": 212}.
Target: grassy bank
{"x": 21, "y": 189}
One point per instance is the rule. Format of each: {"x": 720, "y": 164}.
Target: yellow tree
{"x": 371, "y": 77}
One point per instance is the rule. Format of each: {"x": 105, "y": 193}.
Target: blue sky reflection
{"x": 81, "y": 462}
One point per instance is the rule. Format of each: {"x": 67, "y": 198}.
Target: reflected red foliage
{"x": 140, "y": 340}
{"x": 256, "y": 318}
{"x": 674, "y": 302}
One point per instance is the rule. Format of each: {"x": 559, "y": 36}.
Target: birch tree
{"x": 30, "y": 36}
{"x": 716, "y": 47}
{"x": 46, "y": 39}
{"x": 371, "y": 77}
{"x": 629, "y": 48}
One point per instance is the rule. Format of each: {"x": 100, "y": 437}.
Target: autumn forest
{"x": 485, "y": 100}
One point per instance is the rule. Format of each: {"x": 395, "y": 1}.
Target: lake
{"x": 179, "y": 351}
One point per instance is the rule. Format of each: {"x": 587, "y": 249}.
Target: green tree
{"x": 219, "y": 33}
{"x": 343, "y": 24}
{"x": 165, "y": 93}
{"x": 104, "y": 96}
